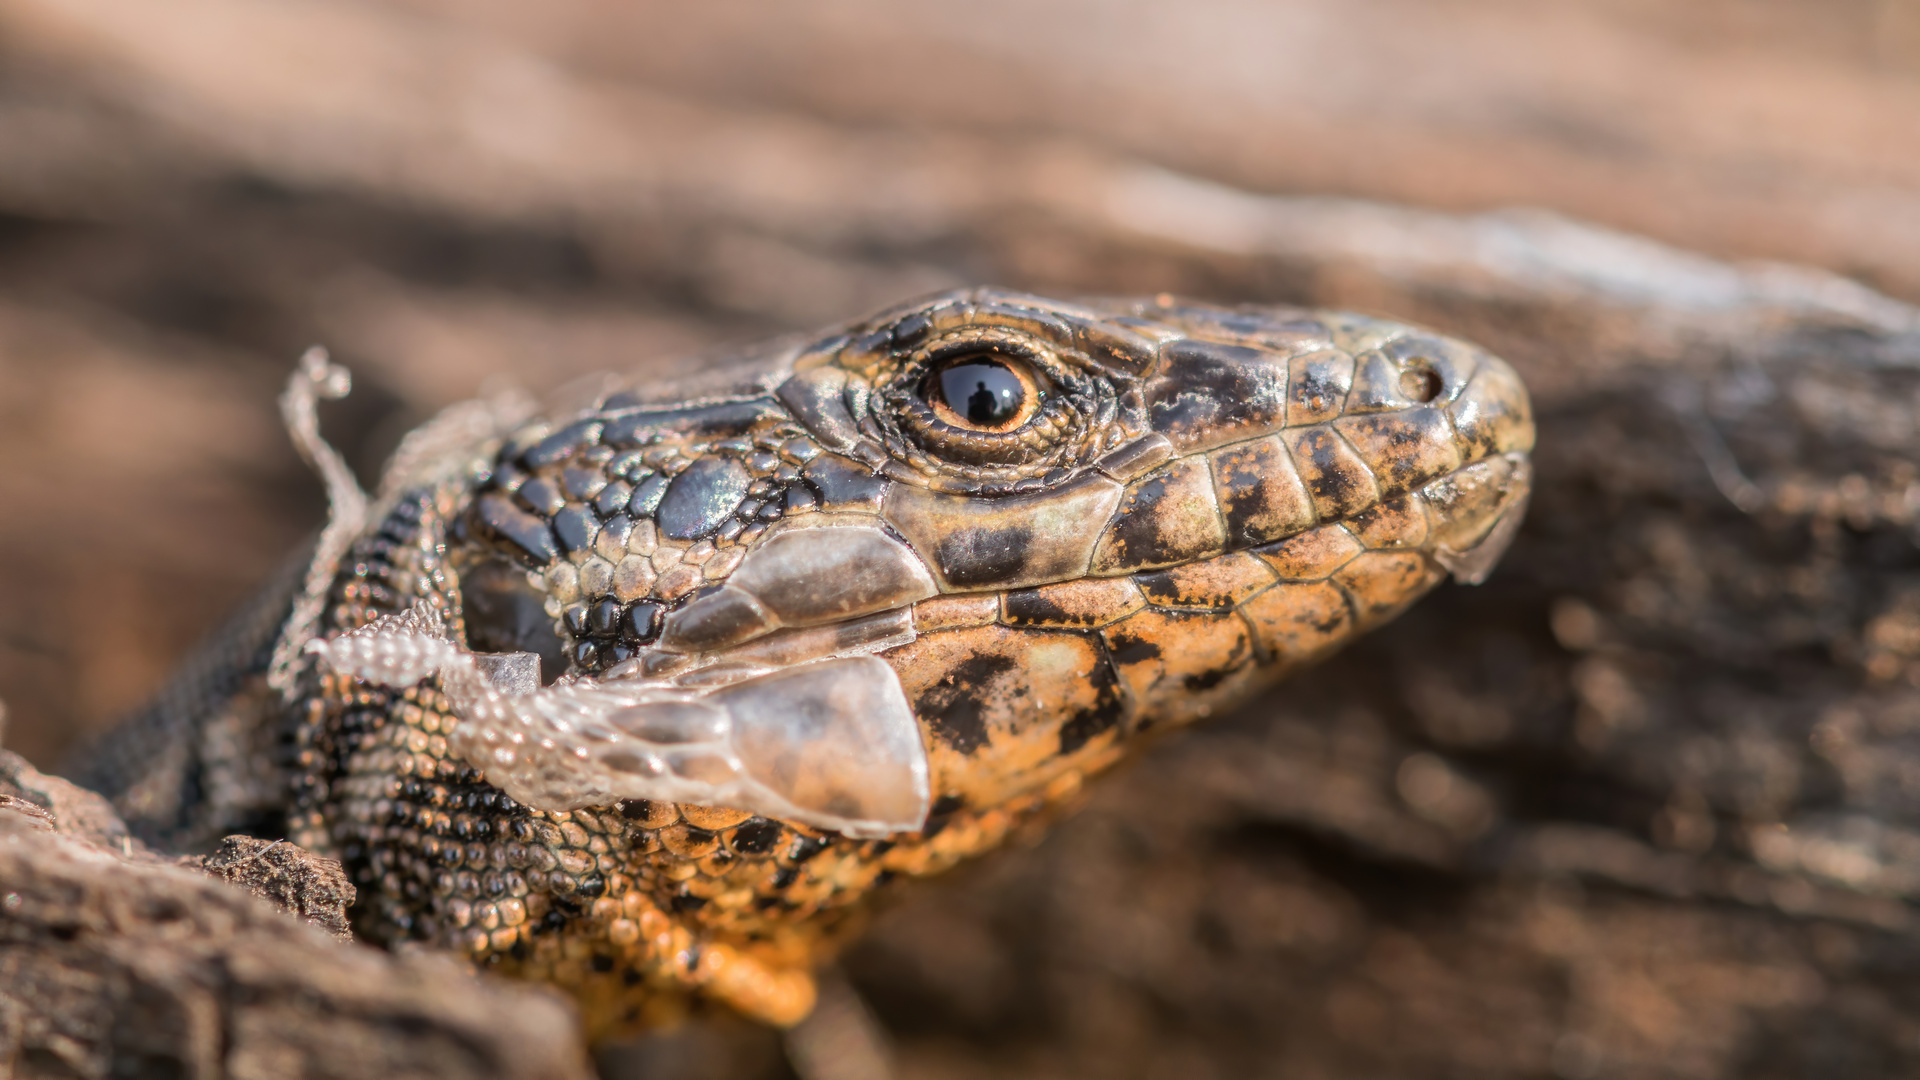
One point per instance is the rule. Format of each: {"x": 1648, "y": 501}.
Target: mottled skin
{"x": 1206, "y": 499}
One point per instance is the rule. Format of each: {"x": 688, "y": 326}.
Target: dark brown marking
{"x": 973, "y": 557}
{"x": 1396, "y": 523}
{"x": 1087, "y": 602}
{"x": 1403, "y": 449}
{"x": 1210, "y": 394}
{"x": 1335, "y": 476}
{"x": 1208, "y": 585}
{"x": 1261, "y": 495}
{"x": 1127, "y": 649}
{"x": 1108, "y": 709}
{"x": 1031, "y": 607}
{"x": 1297, "y": 622}
{"x": 1167, "y": 518}
{"x": 1007, "y": 542}
{"x": 954, "y": 707}
{"x": 1492, "y": 415}
{"x": 1209, "y": 648}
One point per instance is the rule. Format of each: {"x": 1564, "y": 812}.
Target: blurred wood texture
{"x": 1642, "y": 806}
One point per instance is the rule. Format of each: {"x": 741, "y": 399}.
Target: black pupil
{"x": 984, "y": 392}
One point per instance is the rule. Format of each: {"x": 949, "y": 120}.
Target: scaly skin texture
{"x": 1204, "y": 500}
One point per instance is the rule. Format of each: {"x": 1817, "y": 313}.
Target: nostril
{"x": 1420, "y": 382}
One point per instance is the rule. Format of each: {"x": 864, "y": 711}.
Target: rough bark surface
{"x": 1647, "y": 804}
{"x": 292, "y": 879}
{"x": 116, "y": 963}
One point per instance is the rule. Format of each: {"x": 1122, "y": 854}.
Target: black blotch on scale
{"x": 1252, "y": 504}
{"x": 1137, "y": 530}
{"x": 755, "y": 836}
{"x": 1207, "y": 680}
{"x": 940, "y": 815}
{"x": 1163, "y": 589}
{"x": 1330, "y": 480}
{"x": 1108, "y": 709}
{"x": 976, "y": 557}
{"x": 1211, "y": 391}
{"x": 1128, "y": 649}
{"x": 955, "y": 708}
{"x": 1033, "y": 607}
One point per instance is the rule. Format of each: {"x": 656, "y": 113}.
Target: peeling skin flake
{"x": 831, "y": 743}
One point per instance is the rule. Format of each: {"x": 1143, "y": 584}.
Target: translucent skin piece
{"x": 832, "y": 743}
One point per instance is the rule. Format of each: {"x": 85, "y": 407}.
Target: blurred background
{"x": 446, "y": 193}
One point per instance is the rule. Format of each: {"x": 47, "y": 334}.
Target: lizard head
{"x": 736, "y": 659}
{"x": 973, "y": 545}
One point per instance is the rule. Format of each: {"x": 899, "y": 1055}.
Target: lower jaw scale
{"x": 1478, "y": 511}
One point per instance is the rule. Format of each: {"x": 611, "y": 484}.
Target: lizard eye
{"x": 983, "y": 392}
{"x": 984, "y": 409}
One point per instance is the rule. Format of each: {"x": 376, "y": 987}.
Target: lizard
{"x": 652, "y": 693}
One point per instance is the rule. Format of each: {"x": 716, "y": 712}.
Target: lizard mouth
{"x": 1478, "y": 511}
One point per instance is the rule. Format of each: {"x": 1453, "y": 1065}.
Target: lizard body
{"x": 889, "y": 598}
